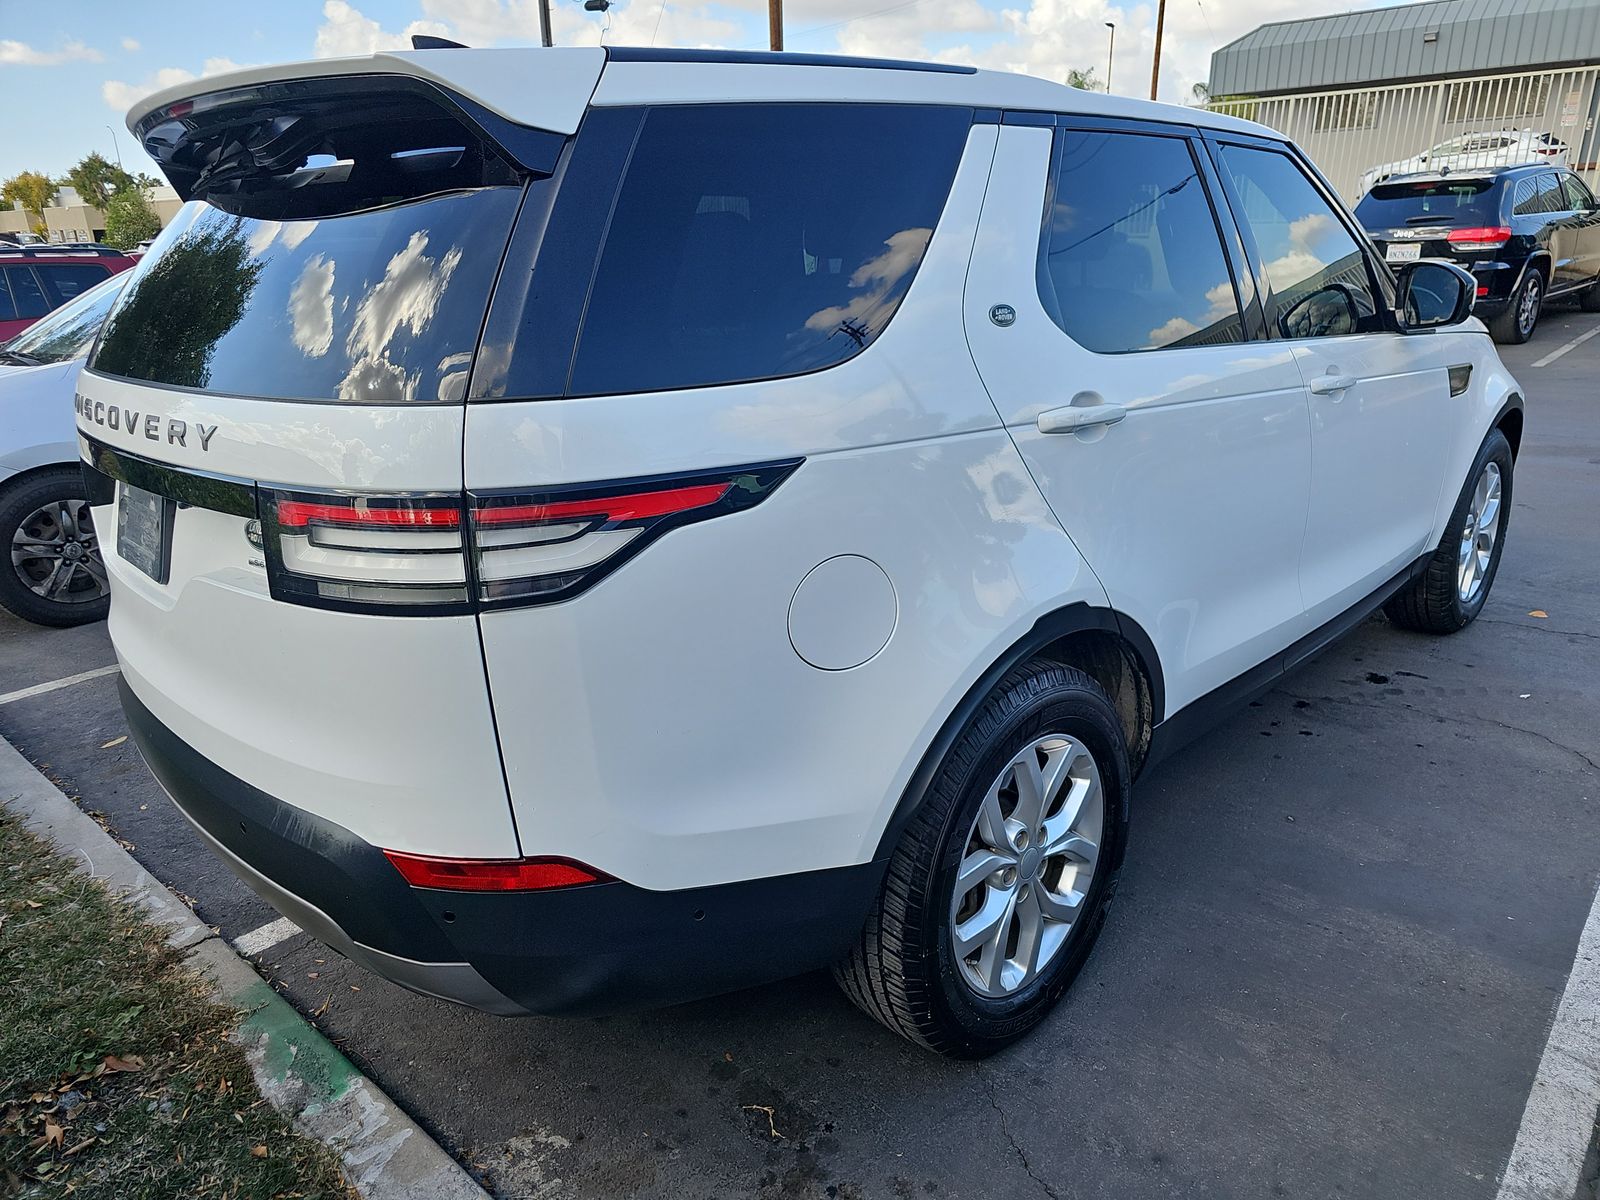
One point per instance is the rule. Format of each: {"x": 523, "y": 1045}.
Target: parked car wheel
{"x": 1001, "y": 882}
{"x": 1452, "y": 591}
{"x": 1516, "y": 324}
{"x": 52, "y": 573}
{"x": 1589, "y": 298}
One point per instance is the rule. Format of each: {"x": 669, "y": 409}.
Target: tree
{"x": 34, "y": 190}
{"x": 1201, "y": 95}
{"x": 97, "y": 179}
{"x": 1084, "y": 80}
{"x": 130, "y": 219}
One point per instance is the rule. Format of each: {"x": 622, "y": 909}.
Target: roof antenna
{"x": 426, "y": 41}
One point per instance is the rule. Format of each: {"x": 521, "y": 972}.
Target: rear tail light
{"x": 491, "y": 874}
{"x": 1480, "y": 237}
{"x": 452, "y": 553}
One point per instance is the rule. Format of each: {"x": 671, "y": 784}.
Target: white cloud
{"x": 131, "y": 45}
{"x": 346, "y": 30}
{"x": 311, "y": 307}
{"x": 20, "y": 54}
{"x": 123, "y": 96}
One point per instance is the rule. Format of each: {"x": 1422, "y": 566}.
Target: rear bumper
{"x": 572, "y": 951}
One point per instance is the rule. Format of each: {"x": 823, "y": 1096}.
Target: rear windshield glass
{"x": 1446, "y": 201}
{"x": 68, "y": 332}
{"x": 379, "y": 306}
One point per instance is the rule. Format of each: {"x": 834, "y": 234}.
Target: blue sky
{"x": 69, "y": 70}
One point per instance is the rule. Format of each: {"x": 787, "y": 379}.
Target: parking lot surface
{"x": 1346, "y": 920}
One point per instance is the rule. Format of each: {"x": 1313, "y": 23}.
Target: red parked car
{"x": 36, "y": 279}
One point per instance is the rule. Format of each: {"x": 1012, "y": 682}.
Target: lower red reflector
{"x": 490, "y": 874}
{"x": 1482, "y": 291}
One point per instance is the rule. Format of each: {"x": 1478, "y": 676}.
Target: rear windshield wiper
{"x": 18, "y": 359}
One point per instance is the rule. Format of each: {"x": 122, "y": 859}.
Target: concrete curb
{"x": 386, "y": 1155}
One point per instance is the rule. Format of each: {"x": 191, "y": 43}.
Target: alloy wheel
{"x": 1027, "y": 865}
{"x": 55, "y": 553}
{"x": 1479, "y": 533}
{"x": 1528, "y": 305}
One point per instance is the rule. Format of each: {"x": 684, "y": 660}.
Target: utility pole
{"x": 1111, "y": 53}
{"x": 1155, "y": 66}
{"x": 775, "y": 23}
{"x": 544, "y": 24}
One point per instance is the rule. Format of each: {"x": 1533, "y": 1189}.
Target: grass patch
{"x": 117, "y": 1078}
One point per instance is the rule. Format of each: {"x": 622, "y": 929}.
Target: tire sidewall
{"x": 1061, "y": 708}
{"x": 1495, "y": 449}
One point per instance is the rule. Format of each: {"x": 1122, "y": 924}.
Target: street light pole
{"x": 1111, "y": 53}
{"x": 775, "y": 23}
{"x": 544, "y": 24}
{"x": 115, "y": 146}
{"x": 1155, "y": 65}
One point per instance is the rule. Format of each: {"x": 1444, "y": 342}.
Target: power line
{"x": 852, "y": 20}
{"x": 661, "y": 12}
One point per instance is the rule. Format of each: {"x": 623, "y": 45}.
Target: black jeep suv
{"x": 1528, "y": 233}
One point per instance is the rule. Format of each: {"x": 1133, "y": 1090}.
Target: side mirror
{"x": 1327, "y": 312}
{"x": 1433, "y": 294}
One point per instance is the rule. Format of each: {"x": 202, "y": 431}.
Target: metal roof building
{"x": 1437, "y": 39}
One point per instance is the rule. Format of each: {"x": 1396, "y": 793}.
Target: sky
{"x": 69, "y": 71}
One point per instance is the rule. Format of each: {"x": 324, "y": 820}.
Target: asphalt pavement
{"x": 1345, "y": 923}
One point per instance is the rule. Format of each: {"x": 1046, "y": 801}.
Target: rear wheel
{"x": 1451, "y": 592}
{"x": 50, "y": 568}
{"x": 1589, "y": 298}
{"x": 1001, "y": 882}
{"x": 1516, "y": 324}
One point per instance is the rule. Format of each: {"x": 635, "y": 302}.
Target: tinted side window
{"x": 1578, "y": 197}
{"x": 1317, "y": 269}
{"x": 26, "y": 293}
{"x": 8, "y": 309}
{"x": 70, "y": 280}
{"x": 752, "y": 241}
{"x": 1537, "y": 194}
{"x": 1129, "y": 257}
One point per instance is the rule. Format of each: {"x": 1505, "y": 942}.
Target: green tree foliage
{"x": 130, "y": 219}
{"x": 34, "y": 190}
{"x": 97, "y": 179}
{"x": 1084, "y": 80}
{"x": 171, "y": 319}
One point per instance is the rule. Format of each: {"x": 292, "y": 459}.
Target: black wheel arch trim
{"x": 1081, "y": 617}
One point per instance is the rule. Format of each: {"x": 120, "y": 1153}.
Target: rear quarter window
{"x": 746, "y": 242}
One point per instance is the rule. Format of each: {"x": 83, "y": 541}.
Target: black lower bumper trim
{"x": 598, "y": 948}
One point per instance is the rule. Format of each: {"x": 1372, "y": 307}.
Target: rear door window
{"x": 754, "y": 241}
{"x": 8, "y": 307}
{"x": 1129, "y": 256}
{"x": 68, "y": 281}
{"x": 26, "y": 293}
{"x": 1578, "y": 197}
{"x": 1321, "y": 286}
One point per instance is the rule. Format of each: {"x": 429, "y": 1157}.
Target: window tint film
{"x": 1129, "y": 257}
{"x": 1318, "y": 273}
{"x": 752, "y": 241}
{"x": 8, "y": 308}
{"x": 26, "y": 293}
{"x": 1537, "y": 194}
{"x": 377, "y": 306}
{"x": 1431, "y": 202}
{"x": 68, "y": 332}
{"x": 70, "y": 280}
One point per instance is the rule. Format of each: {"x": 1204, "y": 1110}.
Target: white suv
{"x": 601, "y": 527}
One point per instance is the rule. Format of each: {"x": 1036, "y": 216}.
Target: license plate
{"x": 1397, "y": 252}
{"x": 144, "y": 531}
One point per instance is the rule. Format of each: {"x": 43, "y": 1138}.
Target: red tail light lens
{"x": 364, "y": 552}
{"x": 491, "y": 874}
{"x": 1480, "y": 237}
{"x": 544, "y": 546}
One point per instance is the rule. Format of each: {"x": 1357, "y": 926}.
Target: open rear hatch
{"x": 273, "y": 425}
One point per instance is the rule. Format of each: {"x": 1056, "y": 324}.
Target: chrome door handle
{"x": 1072, "y": 418}
{"x": 1328, "y": 385}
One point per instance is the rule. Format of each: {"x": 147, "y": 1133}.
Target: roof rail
{"x": 60, "y": 249}
{"x": 778, "y": 58}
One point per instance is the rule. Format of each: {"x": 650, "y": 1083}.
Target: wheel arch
{"x": 1509, "y": 421}
{"x": 1109, "y": 646}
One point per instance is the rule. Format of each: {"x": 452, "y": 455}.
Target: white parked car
{"x": 628, "y": 524}
{"x": 1491, "y": 148}
{"x": 50, "y": 569}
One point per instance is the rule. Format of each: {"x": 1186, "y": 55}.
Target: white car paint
{"x": 1489, "y": 148}
{"x": 662, "y": 727}
{"x": 36, "y": 428}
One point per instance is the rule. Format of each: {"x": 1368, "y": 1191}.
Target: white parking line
{"x": 258, "y": 941}
{"x": 1572, "y": 345}
{"x": 1559, "y": 1119}
{"x": 40, "y": 689}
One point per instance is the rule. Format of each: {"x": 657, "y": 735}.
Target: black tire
{"x": 83, "y": 598}
{"x": 1589, "y": 298}
{"x": 904, "y": 970}
{"x": 1432, "y": 602}
{"x": 1517, "y": 322}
